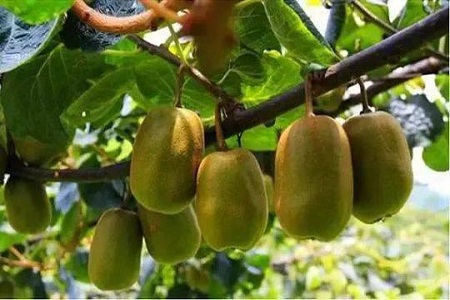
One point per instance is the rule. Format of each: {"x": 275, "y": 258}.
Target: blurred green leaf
{"x": 313, "y": 278}
{"x": 37, "y": 11}
{"x": 9, "y": 238}
{"x": 77, "y": 265}
{"x": 442, "y": 83}
{"x": 297, "y": 34}
{"x": 436, "y": 154}
{"x": 253, "y": 28}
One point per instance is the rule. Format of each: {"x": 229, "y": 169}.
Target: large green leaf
{"x": 19, "y": 42}
{"x": 378, "y": 8}
{"x": 413, "y": 11}
{"x": 442, "y": 83}
{"x": 356, "y": 35}
{"x": 9, "y": 238}
{"x": 436, "y": 154}
{"x": 282, "y": 73}
{"x": 297, "y": 34}
{"x": 156, "y": 80}
{"x": 253, "y": 28}
{"x": 36, "y": 94}
{"x": 93, "y": 103}
{"x": 37, "y": 11}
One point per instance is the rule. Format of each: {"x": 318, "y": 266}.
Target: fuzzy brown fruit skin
{"x": 313, "y": 179}
{"x": 27, "y": 206}
{"x": 115, "y": 254}
{"x": 166, "y": 154}
{"x": 231, "y": 203}
{"x": 171, "y": 239}
{"x": 382, "y": 165}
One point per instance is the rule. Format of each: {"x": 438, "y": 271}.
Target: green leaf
{"x": 258, "y": 138}
{"x": 436, "y": 154}
{"x": 282, "y": 74}
{"x": 442, "y": 83}
{"x": 249, "y": 68}
{"x": 156, "y": 81}
{"x": 9, "y": 238}
{"x": 297, "y": 34}
{"x": 77, "y": 265}
{"x": 253, "y": 28}
{"x": 70, "y": 223}
{"x": 35, "y": 95}
{"x": 37, "y": 11}
{"x": 413, "y": 12}
{"x": 19, "y": 42}
{"x": 378, "y": 8}
{"x": 357, "y": 35}
{"x": 93, "y": 103}
{"x": 313, "y": 278}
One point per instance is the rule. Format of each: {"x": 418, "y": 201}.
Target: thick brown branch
{"x": 391, "y": 30}
{"x": 131, "y": 24}
{"x": 391, "y": 49}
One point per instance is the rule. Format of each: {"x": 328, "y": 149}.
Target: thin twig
{"x": 21, "y": 263}
{"x": 165, "y": 54}
{"x": 364, "y": 100}
{"x": 221, "y": 143}
{"x": 309, "y": 96}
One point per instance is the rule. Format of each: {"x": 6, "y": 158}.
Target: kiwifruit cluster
{"x": 325, "y": 172}
{"x": 181, "y": 197}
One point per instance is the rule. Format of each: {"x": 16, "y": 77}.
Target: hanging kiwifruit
{"x": 166, "y": 153}
{"x": 381, "y": 165}
{"x": 231, "y": 203}
{"x": 313, "y": 177}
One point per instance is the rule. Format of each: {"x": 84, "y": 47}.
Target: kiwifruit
{"x": 27, "y": 207}
{"x": 381, "y": 165}
{"x": 231, "y": 203}
{"x": 166, "y": 153}
{"x": 313, "y": 179}
{"x": 170, "y": 239}
{"x": 115, "y": 254}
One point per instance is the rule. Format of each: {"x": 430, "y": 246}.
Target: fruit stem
{"x": 161, "y": 10}
{"x": 177, "y": 44}
{"x": 364, "y": 98}
{"x": 221, "y": 143}
{"x": 309, "y": 96}
{"x": 179, "y": 85}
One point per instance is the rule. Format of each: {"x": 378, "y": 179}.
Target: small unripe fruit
{"x": 27, "y": 207}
